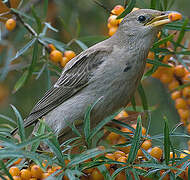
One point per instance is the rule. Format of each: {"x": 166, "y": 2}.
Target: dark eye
{"x": 141, "y": 19}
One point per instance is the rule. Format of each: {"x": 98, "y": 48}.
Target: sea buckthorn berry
{"x": 140, "y": 153}
{"x": 175, "y": 95}
{"x": 51, "y": 47}
{"x": 183, "y": 113}
{"x": 156, "y": 152}
{"x": 124, "y": 149}
{"x": 45, "y": 175}
{"x": 14, "y": 171}
{"x": 188, "y": 128}
{"x": 174, "y": 16}
{"x": 113, "y": 20}
{"x": 173, "y": 85}
{"x": 25, "y": 174}
{"x": 166, "y": 78}
{"x": 186, "y": 91}
{"x": 121, "y": 176}
{"x": 112, "y": 137}
{"x": 122, "y": 159}
{"x": 146, "y": 145}
{"x": 171, "y": 155}
{"x": 17, "y": 178}
{"x": 117, "y": 10}
{"x": 112, "y": 30}
{"x": 179, "y": 71}
{"x": 122, "y": 114}
{"x": 183, "y": 121}
{"x": 109, "y": 156}
{"x": 96, "y": 175}
{"x": 186, "y": 78}
{"x": 69, "y": 54}
{"x": 180, "y": 103}
{"x": 56, "y": 56}
{"x": 64, "y": 61}
{"x": 109, "y": 25}
{"x": 36, "y": 171}
{"x": 118, "y": 154}
{"x": 33, "y": 179}
{"x": 143, "y": 129}
{"x": 10, "y": 24}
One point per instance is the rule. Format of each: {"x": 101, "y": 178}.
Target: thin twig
{"x": 101, "y": 5}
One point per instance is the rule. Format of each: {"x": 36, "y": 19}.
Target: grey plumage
{"x": 110, "y": 69}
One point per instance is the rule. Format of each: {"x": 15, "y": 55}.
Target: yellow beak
{"x": 168, "y": 17}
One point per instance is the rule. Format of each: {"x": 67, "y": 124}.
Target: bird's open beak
{"x": 168, "y": 17}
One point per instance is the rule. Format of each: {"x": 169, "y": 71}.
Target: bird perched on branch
{"x": 111, "y": 69}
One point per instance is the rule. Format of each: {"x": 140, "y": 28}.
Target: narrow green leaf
{"x": 128, "y": 9}
{"x": 81, "y": 44}
{"x": 163, "y": 41}
{"x": 153, "y": 4}
{"x": 20, "y": 82}
{"x": 45, "y": 7}
{"x": 135, "y": 175}
{"x": 101, "y": 124}
{"x": 24, "y": 49}
{"x": 104, "y": 172}
{"x": 143, "y": 97}
{"x": 117, "y": 171}
{"x": 7, "y": 118}
{"x": 182, "y": 32}
{"x": 37, "y": 19}
{"x": 20, "y": 122}
{"x": 21, "y": 13}
{"x": 133, "y": 102}
{"x": 34, "y": 59}
{"x": 2, "y": 165}
{"x": 135, "y": 142}
{"x": 158, "y": 63}
{"x": 166, "y": 141}
{"x": 87, "y": 120}
{"x": 48, "y": 25}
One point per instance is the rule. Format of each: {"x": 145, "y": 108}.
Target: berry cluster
{"x": 58, "y": 57}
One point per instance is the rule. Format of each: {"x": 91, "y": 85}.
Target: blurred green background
{"x": 79, "y": 18}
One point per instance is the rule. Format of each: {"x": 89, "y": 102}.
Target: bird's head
{"x": 146, "y": 20}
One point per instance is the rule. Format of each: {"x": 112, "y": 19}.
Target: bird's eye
{"x": 141, "y": 19}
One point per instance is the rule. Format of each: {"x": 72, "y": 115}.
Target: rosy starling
{"x": 111, "y": 69}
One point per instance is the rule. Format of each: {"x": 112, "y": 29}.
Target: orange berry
{"x": 69, "y": 54}
{"x": 25, "y": 174}
{"x": 16, "y": 177}
{"x": 36, "y": 171}
{"x": 171, "y": 155}
{"x": 122, "y": 114}
{"x": 183, "y": 113}
{"x": 143, "y": 129}
{"x": 56, "y": 56}
{"x": 188, "y": 128}
{"x": 146, "y": 145}
{"x": 174, "y": 16}
{"x": 140, "y": 153}
{"x": 186, "y": 91}
{"x": 51, "y": 47}
{"x": 124, "y": 149}
{"x": 180, "y": 103}
{"x": 122, "y": 159}
{"x": 67, "y": 162}
{"x": 109, "y": 156}
{"x": 112, "y": 30}
{"x": 175, "y": 95}
{"x": 45, "y": 175}
{"x": 117, "y": 10}
{"x": 156, "y": 152}
{"x": 112, "y": 137}
{"x": 10, "y": 24}
{"x": 118, "y": 154}
{"x": 166, "y": 78}
{"x": 96, "y": 175}
{"x": 33, "y": 179}
{"x": 179, "y": 71}
{"x": 64, "y": 61}
{"x": 109, "y": 25}
{"x": 113, "y": 20}
{"x": 186, "y": 78}
{"x": 173, "y": 85}
{"x": 14, "y": 171}
{"x": 184, "y": 122}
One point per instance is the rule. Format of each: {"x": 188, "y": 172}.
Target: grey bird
{"x": 111, "y": 69}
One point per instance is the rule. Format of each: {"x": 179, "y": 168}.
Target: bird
{"x": 109, "y": 72}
